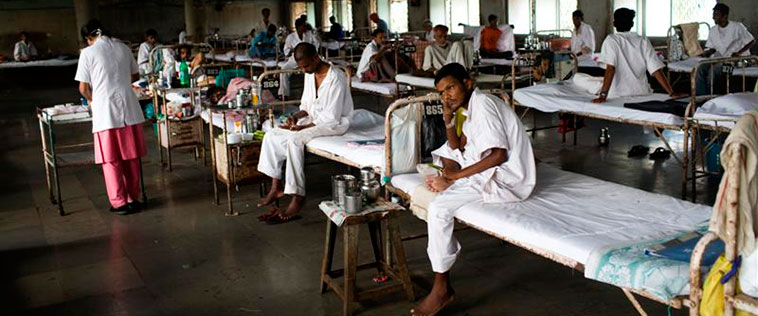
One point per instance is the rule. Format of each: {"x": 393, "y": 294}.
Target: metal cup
{"x": 353, "y": 203}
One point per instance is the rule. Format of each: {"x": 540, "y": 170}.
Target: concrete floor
{"x": 181, "y": 256}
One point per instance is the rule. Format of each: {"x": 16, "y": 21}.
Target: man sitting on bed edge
{"x": 627, "y": 57}
{"x": 491, "y": 162}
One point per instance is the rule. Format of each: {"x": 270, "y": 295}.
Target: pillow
{"x": 735, "y": 104}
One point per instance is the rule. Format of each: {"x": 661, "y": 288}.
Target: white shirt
{"x": 429, "y": 36}
{"x": 262, "y": 26}
{"x": 512, "y": 180}
{"x": 633, "y": 56}
{"x": 182, "y": 37}
{"x": 728, "y": 40}
{"x": 23, "y": 51}
{"x": 143, "y": 57}
{"x": 363, "y": 66}
{"x": 583, "y": 37}
{"x": 435, "y": 56}
{"x": 332, "y": 104}
{"x": 293, "y": 39}
{"x": 107, "y": 66}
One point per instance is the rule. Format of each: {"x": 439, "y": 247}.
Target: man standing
{"x": 265, "y": 22}
{"x": 498, "y": 168}
{"x": 326, "y": 108}
{"x": 143, "y": 55}
{"x": 583, "y": 39}
{"x": 300, "y": 35}
{"x": 380, "y": 24}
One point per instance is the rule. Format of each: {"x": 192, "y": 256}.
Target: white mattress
{"x": 726, "y": 110}
{"x": 688, "y": 64}
{"x": 571, "y": 214}
{"x": 428, "y": 83}
{"x": 588, "y": 63}
{"x": 381, "y": 88}
{"x": 564, "y": 96}
{"x": 39, "y": 63}
{"x": 244, "y": 58}
{"x": 365, "y": 126}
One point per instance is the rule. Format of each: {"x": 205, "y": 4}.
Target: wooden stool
{"x": 379, "y": 223}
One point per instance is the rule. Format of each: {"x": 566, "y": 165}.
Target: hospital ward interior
{"x": 379, "y": 157}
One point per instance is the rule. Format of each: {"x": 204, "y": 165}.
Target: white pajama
{"x": 329, "y": 108}
{"x": 497, "y": 126}
{"x": 280, "y": 146}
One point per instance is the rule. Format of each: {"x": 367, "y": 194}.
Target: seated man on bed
{"x": 378, "y": 60}
{"x": 491, "y": 162}
{"x": 627, "y": 58}
{"x": 725, "y": 39}
{"x": 442, "y": 52}
{"x": 326, "y": 108}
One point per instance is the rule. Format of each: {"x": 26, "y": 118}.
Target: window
{"x": 659, "y": 15}
{"x": 551, "y": 15}
{"x": 300, "y": 8}
{"x": 454, "y": 12}
{"x": 342, "y": 10}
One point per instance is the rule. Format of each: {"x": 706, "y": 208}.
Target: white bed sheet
{"x": 40, "y": 63}
{"x": 589, "y": 63}
{"x": 244, "y": 58}
{"x": 571, "y": 214}
{"x": 724, "y": 111}
{"x": 365, "y": 126}
{"x": 496, "y": 61}
{"x": 428, "y": 83}
{"x": 564, "y": 96}
{"x": 686, "y": 66}
{"x": 388, "y": 89}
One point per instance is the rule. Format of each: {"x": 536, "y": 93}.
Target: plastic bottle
{"x": 184, "y": 74}
{"x": 254, "y": 91}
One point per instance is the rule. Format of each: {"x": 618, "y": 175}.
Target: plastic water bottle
{"x": 254, "y": 91}
{"x": 184, "y": 77}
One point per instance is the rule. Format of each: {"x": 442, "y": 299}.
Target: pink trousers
{"x": 119, "y": 151}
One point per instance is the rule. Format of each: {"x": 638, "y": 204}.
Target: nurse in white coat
{"x": 491, "y": 162}
{"x": 105, "y": 72}
{"x": 300, "y": 35}
{"x": 627, "y": 57}
{"x": 326, "y": 108}
{"x": 583, "y": 38}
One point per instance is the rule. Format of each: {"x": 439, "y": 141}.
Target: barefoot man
{"x": 325, "y": 110}
{"x": 491, "y": 162}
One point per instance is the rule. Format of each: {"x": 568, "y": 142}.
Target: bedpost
{"x": 732, "y": 222}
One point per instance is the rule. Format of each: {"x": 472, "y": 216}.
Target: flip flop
{"x": 449, "y": 300}
{"x": 280, "y": 219}
{"x": 265, "y": 216}
{"x": 638, "y": 150}
{"x": 660, "y": 153}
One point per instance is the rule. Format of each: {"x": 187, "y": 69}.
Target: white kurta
{"x": 143, "y": 58}
{"x": 633, "y": 56}
{"x": 330, "y": 109}
{"x": 289, "y": 45}
{"x": 436, "y": 56}
{"x": 490, "y": 123}
{"x": 23, "y": 51}
{"x": 107, "y": 66}
{"x": 728, "y": 40}
{"x": 363, "y": 66}
{"x": 584, "y": 37}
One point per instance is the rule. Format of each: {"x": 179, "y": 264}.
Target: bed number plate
{"x": 408, "y": 49}
{"x": 270, "y": 83}
{"x": 727, "y": 68}
{"x": 212, "y": 71}
{"x": 433, "y": 109}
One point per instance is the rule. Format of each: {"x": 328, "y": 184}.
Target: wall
{"x": 129, "y": 20}
{"x": 238, "y": 18}
{"x": 417, "y": 15}
{"x": 597, "y": 13}
{"x": 496, "y": 7}
{"x": 51, "y": 25}
{"x": 745, "y": 11}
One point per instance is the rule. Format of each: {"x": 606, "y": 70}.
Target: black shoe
{"x": 123, "y": 210}
{"x": 136, "y": 206}
{"x": 660, "y": 153}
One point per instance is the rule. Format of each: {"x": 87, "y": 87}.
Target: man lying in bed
{"x": 491, "y": 162}
{"x": 325, "y": 110}
{"x": 627, "y": 57}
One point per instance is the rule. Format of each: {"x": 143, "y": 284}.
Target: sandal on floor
{"x": 265, "y": 216}
{"x": 281, "y": 219}
{"x": 637, "y": 151}
{"x": 660, "y": 153}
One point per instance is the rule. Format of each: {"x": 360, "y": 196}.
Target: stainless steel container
{"x": 353, "y": 203}
{"x": 341, "y": 186}
{"x": 370, "y": 191}
{"x": 367, "y": 174}
{"x": 605, "y": 137}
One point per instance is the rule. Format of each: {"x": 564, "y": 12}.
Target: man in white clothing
{"x": 442, "y": 52}
{"x": 24, "y": 49}
{"x": 627, "y": 58}
{"x": 326, "y": 109}
{"x": 725, "y": 39}
{"x": 143, "y": 55}
{"x": 300, "y": 35}
{"x": 377, "y": 62}
{"x": 491, "y": 162}
{"x": 428, "y": 31}
{"x": 583, "y": 39}
{"x": 262, "y": 25}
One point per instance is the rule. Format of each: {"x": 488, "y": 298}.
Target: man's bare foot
{"x": 437, "y": 183}
{"x": 440, "y": 296}
{"x": 273, "y": 195}
{"x": 294, "y": 207}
